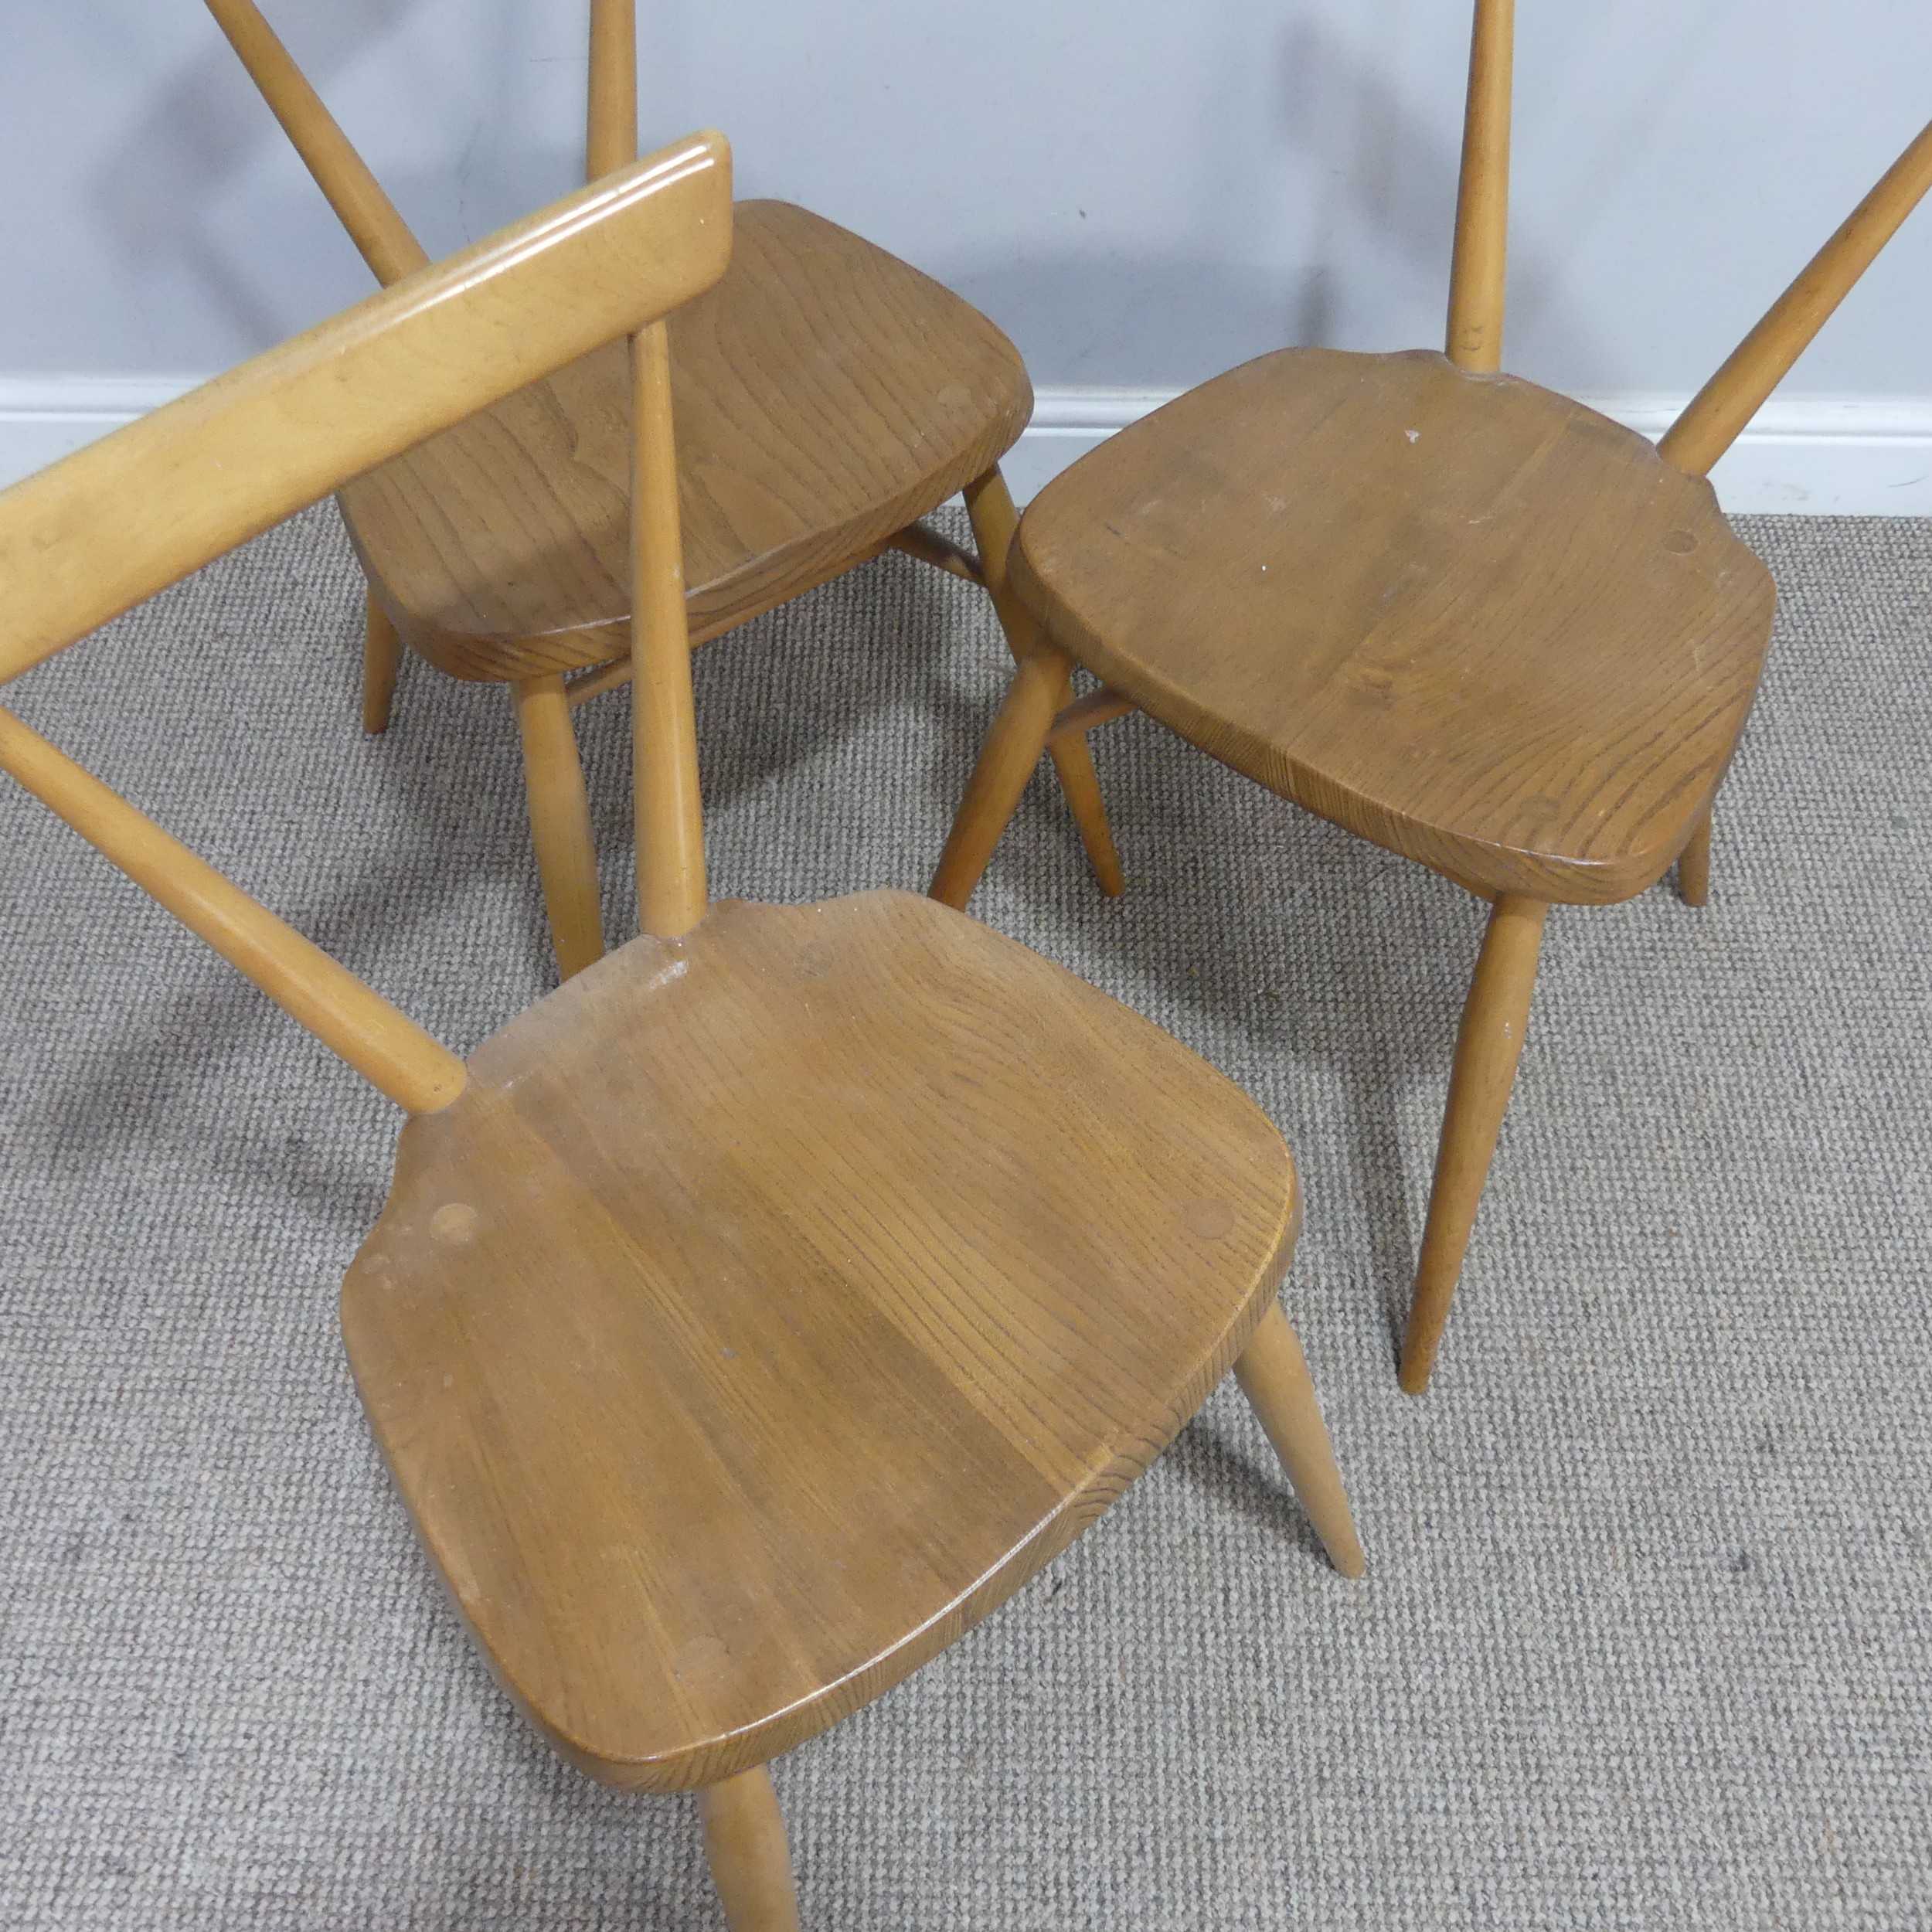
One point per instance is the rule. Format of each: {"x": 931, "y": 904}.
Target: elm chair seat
{"x": 827, "y": 395}
{"x": 1462, "y": 616}
{"x": 774, "y": 1301}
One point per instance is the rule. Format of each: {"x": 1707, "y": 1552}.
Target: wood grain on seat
{"x": 774, "y": 1301}
{"x": 826, "y": 395}
{"x": 1463, "y": 616}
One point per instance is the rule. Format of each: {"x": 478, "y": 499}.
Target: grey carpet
{"x": 1645, "y": 1641}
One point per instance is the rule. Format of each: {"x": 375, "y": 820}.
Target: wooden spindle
{"x": 379, "y": 231}
{"x": 87, "y": 537}
{"x": 1718, "y": 412}
{"x": 670, "y": 817}
{"x": 612, "y": 134}
{"x": 353, "y": 1020}
{"x": 1478, "y": 271}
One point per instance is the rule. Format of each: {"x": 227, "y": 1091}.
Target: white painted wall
{"x": 1140, "y": 194}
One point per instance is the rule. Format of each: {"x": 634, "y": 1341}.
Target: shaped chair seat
{"x": 758, "y": 1310}
{"x": 775, "y": 1301}
{"x": 827, "y": 395}
{"x": 1462, "y": 616}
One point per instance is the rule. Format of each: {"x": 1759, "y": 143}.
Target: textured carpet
{"x": 1646, "y": 1638}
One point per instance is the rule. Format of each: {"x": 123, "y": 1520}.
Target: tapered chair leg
{"x": 1274, "y": 1376}
{"x": 989, "y": 504}
{"x": 744, "y": 1839}
{"x": 1006, "y": 761}
{"x": 567, "y": 860}
{"x": 382, "y": 657}
{"x": 1694, "y": 866}
{"x": 1487, "y": 1048}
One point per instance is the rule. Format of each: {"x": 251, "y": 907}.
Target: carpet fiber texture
{"x": 1647, "y": 1638}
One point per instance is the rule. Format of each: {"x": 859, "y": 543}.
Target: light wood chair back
{"x": 91, "y": 536}
{"x": 371, "y": 219}
{"x": 856, "y": 440}
{"x": 1465, "y": 617}
{"x": 1718, "y": 414}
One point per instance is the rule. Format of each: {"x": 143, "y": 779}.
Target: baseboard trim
{"x": 43, "y": 418}
{"x": 1804, "y": 455}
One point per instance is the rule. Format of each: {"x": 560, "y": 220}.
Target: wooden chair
{"x": 754, "y": 1314}
{"x": 828, "y": 396}
{"x": 1463, "y": 616}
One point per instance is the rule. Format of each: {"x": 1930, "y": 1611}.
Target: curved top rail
{"x": 94, "y": 534}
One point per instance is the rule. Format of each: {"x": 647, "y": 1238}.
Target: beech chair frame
{"x": 1489, "y": 1043}
{"x": 559, "y": 801}
{"x": 90, "y": 537}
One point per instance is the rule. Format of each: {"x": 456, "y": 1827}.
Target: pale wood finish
{"x": 826, "y": 395}
{"x": 915, "y": 540}
{"x": 611, "y": 136}
{"x": 1462, "y": 616}
{"x": 1097, "y": 708}
{"x": 1006, "y": 762}
{"x": 1273, "y": 1374}
{"x": 990, "y": 505}
{"x": 134, "y": 511}
{"x": 89, "y": 537}
{"x": 1465, "y": 617}
{"x": 379, "y": 234}
{"x": 1694, "y": 865}
{"x": 942, "y": 552}
{"x": 1494, "y": 1019}
{"x": 1717, "y": 414}
{"x": 351, "y": 1019}
{"x": 559, "y": 804}
{"x": 670, "y": 816}
{"x": 776, "y": 1300}
{"x": 744, "y": 1841}
{"x": 1478, "y": 269}
{"x": 830, "y": 397}
{"x": 594, "y": 682}
{"x": 756, "y": 1312}
{"x": 381, "y": 659}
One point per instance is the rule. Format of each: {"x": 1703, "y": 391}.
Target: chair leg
{"x": 1487, "y": 1048}
{"x": 381, "y": 656}
{"x": 989, "y": 504}
{"x": 1274, "y": 1376}
{"x": 1694, "y": 866}
{"x": 1006, "y": 761}
{"x": 567, "y": 860}
{"x": 744, "y": 1840}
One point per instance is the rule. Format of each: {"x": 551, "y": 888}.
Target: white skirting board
{"x": 1812, "y": 456}
{"x": 1807, "y": 455}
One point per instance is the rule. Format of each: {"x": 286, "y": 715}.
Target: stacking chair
{"x": 755, "y": 1313}
{"x": 827, "y": 395}
{"x": 1460, "y": 615}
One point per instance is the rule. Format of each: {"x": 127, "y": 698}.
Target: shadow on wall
{"x": 208, "y": 138}
{"x": 1375, "y": 171}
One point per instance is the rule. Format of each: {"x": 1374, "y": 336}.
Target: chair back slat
{"x": 1478, "y": 271}
{"x": 379, "y": 231}
{"x": 94, "y": 534}
{"x": 353, "y": 1020}
{"x": 669, "y": 815}
{"x": 611, "y": 122}
{"x": 1716, "y": 415}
